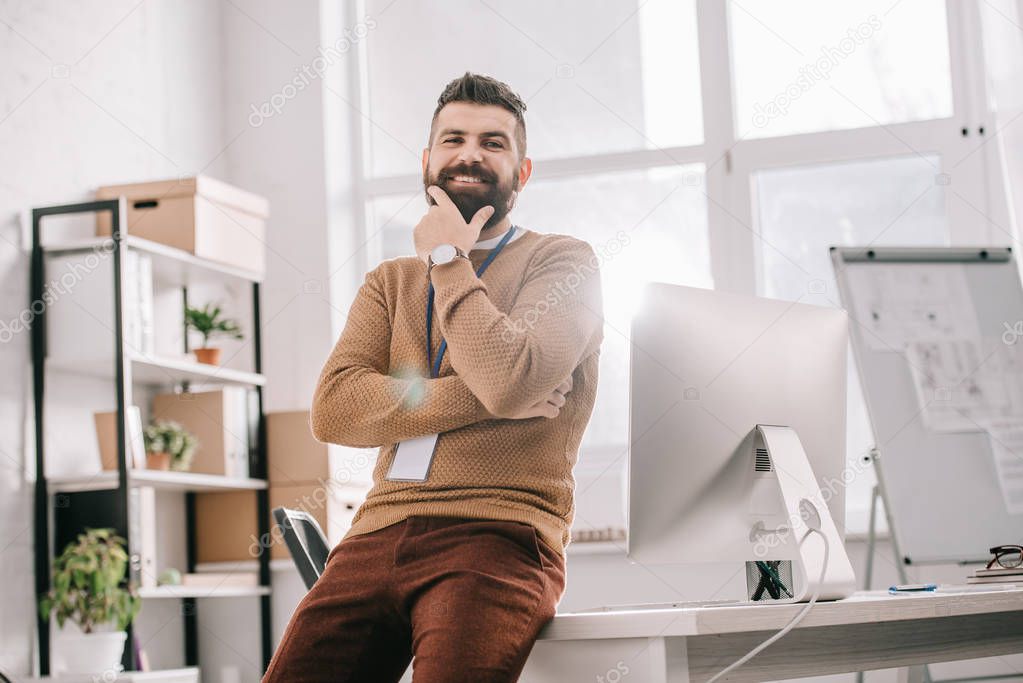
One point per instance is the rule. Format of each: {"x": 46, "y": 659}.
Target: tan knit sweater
{"x": 513, "y": 336}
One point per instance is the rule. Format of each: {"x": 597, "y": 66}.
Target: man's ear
{"x": 426, "y": 158}
{"x": 525, "y": 170}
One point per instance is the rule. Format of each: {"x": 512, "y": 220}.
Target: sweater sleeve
{"x": 357, "y": 403}
{"x": 512, "y": 361}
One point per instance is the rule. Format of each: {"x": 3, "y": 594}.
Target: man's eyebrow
{"x": 486, "y": 134}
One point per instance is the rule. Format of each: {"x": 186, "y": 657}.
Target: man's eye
{"x": 496, "y": 144}
{"x": 453, "y": 140}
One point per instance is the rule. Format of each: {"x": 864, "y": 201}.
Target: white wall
{"x": 286, "y": 156}
{"x": 266, "y": 44}
{"x": 91, "y": 93}
{"x": 104, "y": 92}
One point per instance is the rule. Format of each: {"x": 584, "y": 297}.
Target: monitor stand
{"x": 806, "y": 509}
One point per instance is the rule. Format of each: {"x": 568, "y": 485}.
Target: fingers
{"x": 480, "y": 218}
{"x": 557, "y": 398}
{"x": 441, "y": 197}
{"x": 548, "y": 408}
{"x": 551, "y": 406}
{"x": 549, "y": 411}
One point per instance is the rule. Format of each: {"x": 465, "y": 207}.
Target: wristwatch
{"x": 444, "y": 253}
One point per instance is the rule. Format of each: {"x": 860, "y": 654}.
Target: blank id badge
{"x": 412, "y": 459}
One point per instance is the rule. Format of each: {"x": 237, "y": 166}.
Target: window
{"x": 805, "y": 210}
{"x": 802, "y": 67}
{"x": 597, "y": 77}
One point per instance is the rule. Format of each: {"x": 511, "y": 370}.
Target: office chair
{"x": 306, "y": 542}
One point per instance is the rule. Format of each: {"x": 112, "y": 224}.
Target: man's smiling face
{"x": 474, "y": 158}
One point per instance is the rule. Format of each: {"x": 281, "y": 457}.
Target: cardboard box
{"x": 200, "y": 215}
{"x": 221, "y": 422}
{"x": 226, "y": 529}
{"x": 298, "y": 477}
{"x": 293, "y": 453}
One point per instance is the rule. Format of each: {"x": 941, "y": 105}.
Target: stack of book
{"x": 997, "y": 575}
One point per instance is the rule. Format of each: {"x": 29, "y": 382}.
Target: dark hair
{"x": 480, "y": 89}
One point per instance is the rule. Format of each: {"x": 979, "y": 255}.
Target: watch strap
{"x": 458, "y": 254}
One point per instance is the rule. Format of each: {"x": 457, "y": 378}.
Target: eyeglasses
{"x": 1006, "y": 556}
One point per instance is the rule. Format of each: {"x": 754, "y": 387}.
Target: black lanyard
{"x": 435, "y": 367}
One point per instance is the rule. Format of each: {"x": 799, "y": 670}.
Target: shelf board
{"x": 172, "y": 675}
{"x": 280, "y": 565}
{"x": 151, "y": 370}
{"x": 158, "y": 479}
{"x": 174, "y": 592}
{"x": 156, "y": 371}
{"x": 171, "y": 265}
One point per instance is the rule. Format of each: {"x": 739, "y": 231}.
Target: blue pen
{"x": 914, "y": 588}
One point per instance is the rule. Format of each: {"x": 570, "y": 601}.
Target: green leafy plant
{"x": 87, "y": 583}
{"x": 208, "y": 322}
{"x": 167, "y": 436}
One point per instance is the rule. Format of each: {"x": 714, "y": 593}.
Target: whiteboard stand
{"x": 878, "y": 493}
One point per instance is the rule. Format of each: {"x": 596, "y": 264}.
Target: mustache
{"x": 448, "y": 174}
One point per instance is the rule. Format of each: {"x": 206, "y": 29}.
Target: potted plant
{"x": 208, "y": 322}
{"x": 90, "y": 589}
{"x": 168, "y": 446}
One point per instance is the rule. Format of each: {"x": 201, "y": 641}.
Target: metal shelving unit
{"x": 64, "y": 506}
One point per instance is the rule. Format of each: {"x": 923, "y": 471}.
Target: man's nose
{"x": 471, "y": 153}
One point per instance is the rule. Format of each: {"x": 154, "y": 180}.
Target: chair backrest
{"x": 306, "y": 542}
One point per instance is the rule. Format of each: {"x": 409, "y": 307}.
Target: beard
{"x": 495, "y": 192}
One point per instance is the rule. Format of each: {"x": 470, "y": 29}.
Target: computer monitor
{"x": 706, "y": 485}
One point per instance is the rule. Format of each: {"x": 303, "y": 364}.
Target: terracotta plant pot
{"x": 209, "y": 356}
{"x": 158, "y": 461}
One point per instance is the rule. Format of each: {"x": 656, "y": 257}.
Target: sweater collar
{"x": 492, "y": 242}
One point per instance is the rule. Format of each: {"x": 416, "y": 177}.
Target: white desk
{"x": 866, "y": 631}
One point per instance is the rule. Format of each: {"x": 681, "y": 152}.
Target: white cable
{"x": 795, "y": 620}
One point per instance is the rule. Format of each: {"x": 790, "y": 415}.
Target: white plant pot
{"x": 88, "y": 653}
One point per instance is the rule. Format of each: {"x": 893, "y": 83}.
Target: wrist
{"x": 444, "y": 274}
{"x": 444, "y": 254}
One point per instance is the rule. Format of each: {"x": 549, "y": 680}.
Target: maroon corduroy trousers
{"x": 466, "y": 597}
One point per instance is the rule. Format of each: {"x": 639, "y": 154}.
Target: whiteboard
{"x": 943, "y": 489}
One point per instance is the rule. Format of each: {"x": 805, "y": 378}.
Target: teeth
{"x": 467, "y": 179}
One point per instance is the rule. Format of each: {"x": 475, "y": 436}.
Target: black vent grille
{"x": 763, "y": 461}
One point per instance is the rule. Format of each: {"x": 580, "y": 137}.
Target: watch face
{"x": 443, "y": 253}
